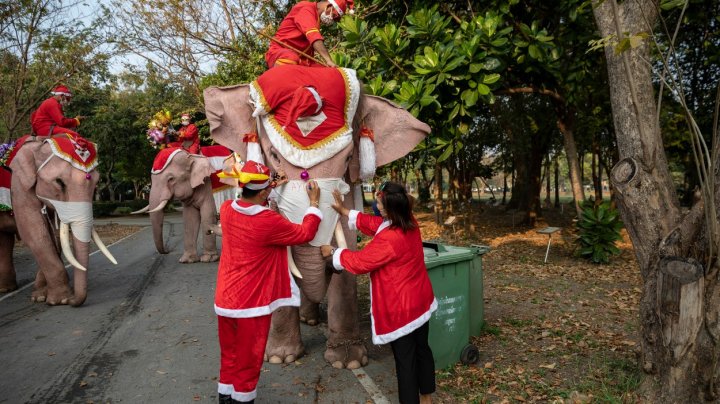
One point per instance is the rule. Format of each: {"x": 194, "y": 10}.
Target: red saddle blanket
{"x": 306, "y": 112}
{"x": 215, "y": 154}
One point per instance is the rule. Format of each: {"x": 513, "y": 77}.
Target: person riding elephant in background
{"x": 300, "y": 32}
{"x": 253, "y": 277}
{"x": 402, "y": 298}
{"x": 188, "y": 135}
{"x": 49, "y": 118}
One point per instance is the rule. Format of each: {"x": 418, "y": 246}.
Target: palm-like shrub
{"x": 598, "y": 230}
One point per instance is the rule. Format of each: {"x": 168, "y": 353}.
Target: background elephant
{"x": 180, "y": 175}
{"x": 396, "y": 132}
{"x": 56, "y": 177}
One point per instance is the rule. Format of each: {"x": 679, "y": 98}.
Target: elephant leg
{"x": 8, "y": 281}
{"x": 284, "y": 343}
{"x": 208, "y": 218}
{"x": 191, "y": 218}
{"x": 345, "y": 348}
{"x": 309, "y": 311}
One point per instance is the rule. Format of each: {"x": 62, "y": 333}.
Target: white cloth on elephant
{"x": 293, "y": 201}
{"x": 78, "y": 215}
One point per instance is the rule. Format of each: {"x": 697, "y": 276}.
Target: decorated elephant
{"x": 52, "y": 180}
{"x": 192, "y": 179}
{"x": 314, "y": 123}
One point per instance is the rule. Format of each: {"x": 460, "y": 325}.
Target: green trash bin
{"x": 456, "y": 277}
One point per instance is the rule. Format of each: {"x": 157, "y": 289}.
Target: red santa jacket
{"x": 299, "y": 29}
{"x": 50, "y": 113}
{"x": 401, "y": 296}
{"x": 189, "y": 133}
{"x": 253, "y": 276}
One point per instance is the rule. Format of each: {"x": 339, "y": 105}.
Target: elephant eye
{"x": 60, "y": 183}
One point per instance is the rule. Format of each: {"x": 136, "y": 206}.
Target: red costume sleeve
{"x": 54, "y": 111}
{"x": 189, "y": 132}
{"x": 307, "y": 22}
{"x": 377, "y": 254}
{"x": 368, "y": 224}
{"x": 285, "y": 233}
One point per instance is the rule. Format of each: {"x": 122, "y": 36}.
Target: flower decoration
{"x": 158, "y": 129}
{"x": 5, "y": 151}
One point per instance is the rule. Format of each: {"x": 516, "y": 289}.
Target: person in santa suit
{"x": 402, "y": 298}
{"x": 300, "y": 31}
{"x": 254, "y": 277}
{"x": 49, "y": 118}
{"x": 188, "y": 135}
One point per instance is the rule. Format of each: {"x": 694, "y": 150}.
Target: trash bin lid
{"x": 429, "y": 252}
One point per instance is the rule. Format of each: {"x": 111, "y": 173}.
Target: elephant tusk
{"x": 159, "y": 207}
{"x": 340, "y": 235}
{"x": 143, "y": 210}
{"x": 293, "y": 268}
{"x": 98, "y": 241}
{"x": 65, "y": 245}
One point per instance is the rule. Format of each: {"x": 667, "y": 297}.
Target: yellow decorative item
{"x": 243, "y": 177}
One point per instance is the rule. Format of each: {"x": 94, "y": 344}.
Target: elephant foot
{"x": 188, "y": 258}
{"x": 283, "y": 354}
{"x": 51, "y": 299}
{"x": 9, "y": 287}
{"x": 309, "y": 312}
{"x": 209, "y": 257}
{"x": 350, "y": 354}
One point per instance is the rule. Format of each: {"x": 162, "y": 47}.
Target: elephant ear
{"x": 229, "y": 113}
{"x": 25, "y": 164}
{"x": 396, "y": 131}
{"x": 200, "y": 169}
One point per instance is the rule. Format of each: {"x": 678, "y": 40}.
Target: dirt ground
{"x": 561, "y": 331}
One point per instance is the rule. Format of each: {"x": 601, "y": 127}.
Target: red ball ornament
{"x": 88, "y": 176}
{"x": 304, "y": 175}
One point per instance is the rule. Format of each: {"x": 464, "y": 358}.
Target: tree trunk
{"x": 679, "y": 308}
{"x": 547, "y": 183}
{"x": 557, "y": 182}
{"x": 565, "y": 124}
{"x": 438, "y": 194}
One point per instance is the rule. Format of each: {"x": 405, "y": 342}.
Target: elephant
{"x": 396, "y": 132}
{"x": 52, "y": 179}
{"x": 191, "y": 178}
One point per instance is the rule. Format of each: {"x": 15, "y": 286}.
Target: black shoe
{"x": 244, "y": 402}
{"x": 225, "y": 399}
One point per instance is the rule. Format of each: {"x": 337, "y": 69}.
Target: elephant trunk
{"x": 157, "y": 201}
{"x": 79, "y": 260}
{"x": 315, "y": 279}
{"x": 82, "y": 254}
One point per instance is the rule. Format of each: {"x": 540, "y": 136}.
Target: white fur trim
{"x": 257, "y": 187}
{"x": 254, "y": 100}
{"x": 352, "y": 219}
{"x": 167, "y": 162}
{"x": 250, "y": 210}
{"x": 404, "y": 330}
{"x": 336, "y": 259}
{"x": 226, "y": 389}
{"x": 318, "y": 100}
{"x": 309, "y": 157}
{"x": 254, "y": 153}
{"x": 314, "y": 211}
{"x": 367, "y": 159}
{"x": 60, "y": 93}
{"x": 383, "y": 226}
{"x": 293, "y": 300}
{"x": 336, "y": 7}
{"x": 239, "y": 396}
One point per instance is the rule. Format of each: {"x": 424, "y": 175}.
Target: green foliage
{"x": 598, "y": 230}
{"x": 103, "y": 209}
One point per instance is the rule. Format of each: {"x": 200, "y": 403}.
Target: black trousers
{"x": 414, "y": 365}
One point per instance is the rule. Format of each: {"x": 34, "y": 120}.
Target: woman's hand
{"x": 338, "y": 205}
{"x": 326, "y": 250}
{"x": 313, "y": 191}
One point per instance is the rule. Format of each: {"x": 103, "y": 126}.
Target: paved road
{"x": 147, "y": 333}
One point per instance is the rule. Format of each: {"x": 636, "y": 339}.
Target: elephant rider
{"x": 299, "y": 33}
{"x": 253, "y": 276}
{"x": 49, "y": 118}
{"x": 188, "y": 135}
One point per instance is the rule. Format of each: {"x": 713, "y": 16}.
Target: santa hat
{"x": 185, "y": 116}
{"x": 252, "y": 175}
{"x": 254, "y": 152}
{"x": 305, "y": 102}
{"x": 343, "y": 5}
{"x": 61, "y": 90}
